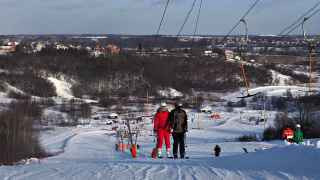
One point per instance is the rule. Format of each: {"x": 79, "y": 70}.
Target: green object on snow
{"x": 298, "y": 136}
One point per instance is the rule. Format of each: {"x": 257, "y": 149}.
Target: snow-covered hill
{"x": 88, "y": 151}
{"x": 280, "y": 79}
{"x": 63, "y": 89}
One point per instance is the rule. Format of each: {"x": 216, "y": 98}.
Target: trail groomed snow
{"x": 89, "y": 153}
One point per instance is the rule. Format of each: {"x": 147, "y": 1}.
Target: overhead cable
{"x": 243, "y": 17}
{"x": 299, "y": 24}
{"x": 299, "y": 20}
{"x": 186, "y": 18}
{"x": 162, "y": 18}
{"x": 198, "y": 19}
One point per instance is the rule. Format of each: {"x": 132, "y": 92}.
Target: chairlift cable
{"x": 162, "y": 18}
{"x": 243, "y": 17}
{"x": 298, "y": 25}
{"x": 197, "y": 21}
{"x": 299, "y": 19}
{"x": 198, "y": 18}
{"x": 186, "y": 18}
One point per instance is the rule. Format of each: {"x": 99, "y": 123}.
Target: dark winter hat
{"x": 178, "y": 104}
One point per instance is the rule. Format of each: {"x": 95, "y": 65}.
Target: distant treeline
{"x": 123, "y": 75}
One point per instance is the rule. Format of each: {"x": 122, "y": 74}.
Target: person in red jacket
{"x": 162, "y": 128}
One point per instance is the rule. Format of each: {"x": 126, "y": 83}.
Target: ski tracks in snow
{"x": 91, "y": 155}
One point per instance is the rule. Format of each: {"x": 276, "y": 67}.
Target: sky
{"x": 143, "y": 16}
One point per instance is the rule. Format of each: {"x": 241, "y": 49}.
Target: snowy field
{"x": 89, "y": 153}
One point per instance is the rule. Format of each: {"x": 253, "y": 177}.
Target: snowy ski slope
{"x": 88, "y": 153}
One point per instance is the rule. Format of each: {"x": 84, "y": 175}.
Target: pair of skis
{"x": 171, "y": 157}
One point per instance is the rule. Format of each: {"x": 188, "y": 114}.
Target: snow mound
{"x": 268, "y": 91}
{"x": 279, "y": 90}
{"x": 170, "y": 93}
{"x": 280, "y": 79}
{"x": 29, "y": 161}
{"x": 63, "y": 90}
{"x": 13, "y": 89}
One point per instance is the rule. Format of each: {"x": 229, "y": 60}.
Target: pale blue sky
{"x": 143, "y": 16}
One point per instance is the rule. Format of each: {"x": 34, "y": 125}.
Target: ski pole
{"x": 186, "y": 146}
{"x": 137, "y": 133}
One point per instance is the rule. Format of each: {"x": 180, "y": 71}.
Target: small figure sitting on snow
{"x": 298, "y": 135}
{"x": 217, "y": 150}
{"x": 287, "y": 135}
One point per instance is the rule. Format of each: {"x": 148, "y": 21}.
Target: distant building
{"x": 8, "y": 48}
{"x": 229, "y": 54}
{"x": 103, "y": 51}
{"x": 113, "y": 49}
{"x": 210, "y": 53}
{"x": 39, "y": 46}
{"x": 61, "y": 47}
{"x": 184, "y": 39}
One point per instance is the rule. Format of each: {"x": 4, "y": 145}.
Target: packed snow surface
{"x": 89, "y": 153}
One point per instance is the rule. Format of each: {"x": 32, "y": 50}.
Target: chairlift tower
{"x": 242, "y": 60}
{"x": 311, "y": 54}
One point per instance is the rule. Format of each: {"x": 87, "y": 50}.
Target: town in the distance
{"x": 161, "y": 45}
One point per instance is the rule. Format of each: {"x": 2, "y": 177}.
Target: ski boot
{"x": 175, "y": 156}
{"x": 159, "y": 153}
{"x": 168, "y": 154}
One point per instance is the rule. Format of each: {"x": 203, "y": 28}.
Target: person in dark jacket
{"x": 179, "y": 123}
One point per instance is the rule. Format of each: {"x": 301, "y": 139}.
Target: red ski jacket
{"x": 161, "y": 120}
